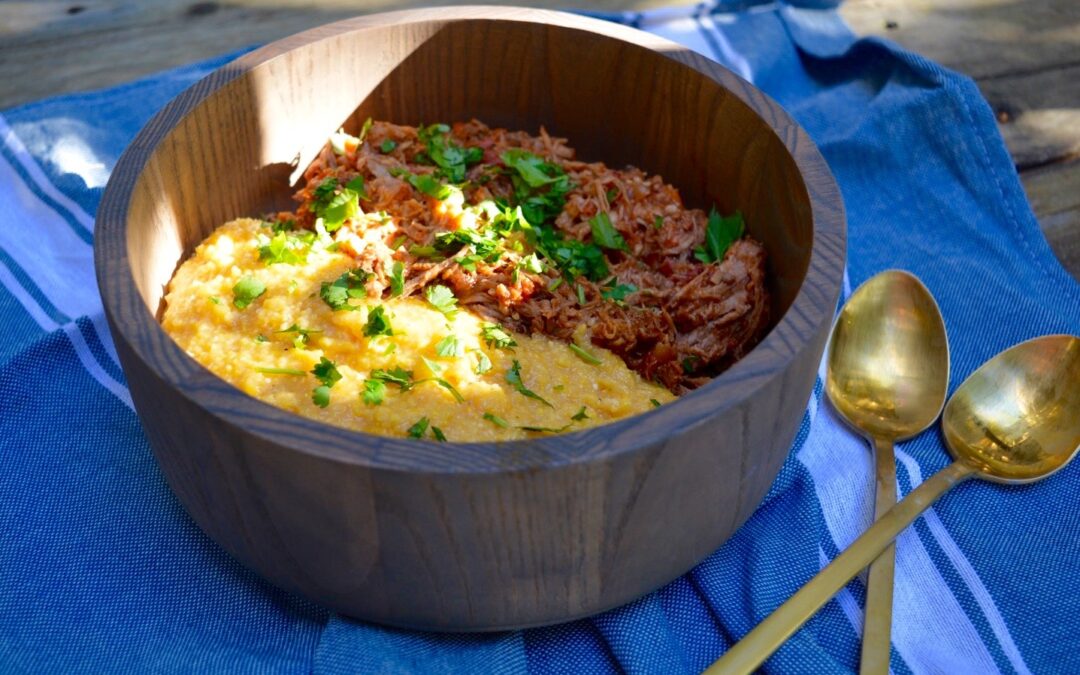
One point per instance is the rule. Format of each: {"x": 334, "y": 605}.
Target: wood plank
{"x": 1038, "y": 114}
{"x": 982, "y": 38}
{"x": 1054, "y": 193}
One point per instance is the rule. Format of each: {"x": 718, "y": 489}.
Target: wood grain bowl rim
{"x": 813, "y": 305}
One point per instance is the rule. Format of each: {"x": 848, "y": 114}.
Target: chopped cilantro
{"x": 302, "y": 334}
{"x": 398, "y": 241}
{"x": 397, "y": 279}
{"x": 450, "y": 388}
{"x": 283, "y": 225}
{"x": 571, "y": 257}
{"x": 261, "y": 338}
{"x": 442, "y": 298}
{"x": 513, "y": 376}
{"x": 483, "y": 363}
{"x": 279, "y": 371}
{"x": 688, "y": 364}
{"x": 618, "y": 293}
{"x": 451, "y": 158}
{"x": 720, "y": 233}
{"x": 429, "y": 185}
{"x": 397, "y": 375}
{"x": 532, "y": 169}
{"x": 496, "y": 420}
{"x": 531, "y": 263}
{"x": 320, "y": 396}
{"x": 326, "y": 372}
{"x": 417, "y": 430}
{"x": 659, "y": 222}
{"x": 584, "y": 355}
{"x": 378, "y": 323}
{"x": 374, "y": 391}
{"x": 580, "y": 415}
{"x": 387, "y": 145}
{"x": 336, "y": 293}
{"x": 549, "y": 430}
{"x": 438, "y": 434}
{"x": 580, "y": 294}
{"x": 357, "y": 186}
{"x": 605, "y": 234}
{"x": 497, "y": 337}
{"x": 450, "y": 347}
{"x": 335, "y": 206}
{"x": 540, "y": 187}
{"x": 246, "y": 290}
{"x": 215, "y": 299}
{"x": 287, "y": 248}
{"x": 611, "y": 195}
{"x": 655, "y": 403}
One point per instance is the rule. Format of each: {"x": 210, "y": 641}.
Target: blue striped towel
{"x": 100, "y": 569}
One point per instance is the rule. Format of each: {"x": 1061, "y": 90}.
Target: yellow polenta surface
{"x": 201, "y": 317}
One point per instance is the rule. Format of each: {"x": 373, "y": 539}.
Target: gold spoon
{"x": 1014, "y": 420}
{"x": 887, "y": 375}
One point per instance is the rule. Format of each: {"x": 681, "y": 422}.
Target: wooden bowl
{"x": 481, "y": 536}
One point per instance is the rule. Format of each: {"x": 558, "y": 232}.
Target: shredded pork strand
{"x": 686, "y": 322}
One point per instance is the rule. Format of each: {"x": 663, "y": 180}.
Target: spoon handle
{"x": 877, "y": 624}
{"x": 767, "y": 636}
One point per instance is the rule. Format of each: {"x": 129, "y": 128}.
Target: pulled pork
{"x": 616, "y": 259}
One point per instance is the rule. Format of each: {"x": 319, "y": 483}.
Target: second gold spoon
{"x": 887, "y": 375}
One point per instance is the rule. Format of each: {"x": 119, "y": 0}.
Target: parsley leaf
{"x": 378, "y": 323}
{"x": 336, "y": 294}
{"x": 442, "y": 298}
{"x": 720, "y": 233}
{"x": 374, "y": 391}
{"x": 417, "y": 430}
{"x": 605, "y": 234}
{"x": 397, "y": 279}
{"x": 246, "y": 290}
{"x": 580, "y": 415}
{"x": 496, "y": 420}
{"x": 497, "y": 337}
{"x": 584, "y": 355}
{"x": 513, "y": 376}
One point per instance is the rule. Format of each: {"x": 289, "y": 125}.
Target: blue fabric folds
{"x": 101, "y": 570}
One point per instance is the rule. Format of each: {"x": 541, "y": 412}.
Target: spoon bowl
{"x": 1014, "y": 420}
{"x": 888, "y": 363}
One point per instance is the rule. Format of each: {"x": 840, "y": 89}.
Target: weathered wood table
{"x": 1025, "y": 56}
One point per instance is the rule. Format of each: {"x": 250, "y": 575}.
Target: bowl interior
{"x": 239, "y": 152}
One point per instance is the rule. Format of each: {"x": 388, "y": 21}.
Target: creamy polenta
{"x": 297, "y": 330}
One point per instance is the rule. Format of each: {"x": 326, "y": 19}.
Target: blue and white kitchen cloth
{"x": 101, "y": 569}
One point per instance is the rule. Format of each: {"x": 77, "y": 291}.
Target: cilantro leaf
{"x": 429, "y": 185}
{"x": 720, "y": 233}
{"x": 450, "y": 347}
{"x": 397, "y": 375}
{"x": 320, "y": 396}
{"x": 497, "y": 337}
{"x": 417, "y": 430}
{"x": 438, "y": 434}
{"x": 513, "y": 376}
{"x": 483, "y": 363}
{"x": 397, "y": 279}
{"x": 584, "y": 355}
{"x": 659, "y": 222}
{"x": 246, "y": 290}
{"x": 531, "y": 168}
{"x": 618, "y": 293}
{"x": 580, "y": 415}
{"x": 326, "y": 372}
{"x": 336, "y": 294}
{"x": 605, "y": 234}
{"x": 655, "y": 403}
{"x": 287, "y": 248}
{"x": 442, "y": 298}
{"x": 451, "y": 158}
{"x": 378, "y": 323}
{"x": 374, "y": 392}
{"x": 496, "y": 420}
{"x": 387, "y": 146}
{"x": 450, "y": 388}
